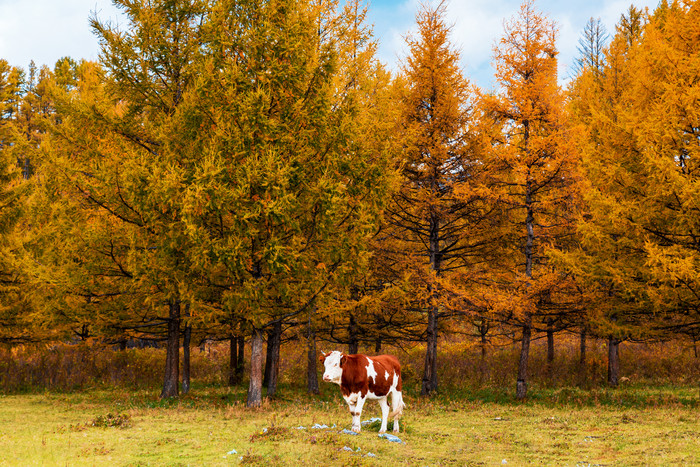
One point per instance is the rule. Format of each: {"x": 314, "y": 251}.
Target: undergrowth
{"x": 462, "y": 374}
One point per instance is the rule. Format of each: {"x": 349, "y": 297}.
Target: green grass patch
{"x": 626, "y": 426}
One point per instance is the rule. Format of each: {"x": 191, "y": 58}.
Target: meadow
{"x": 117, "y": 427}
{"x": 645, "y": 421}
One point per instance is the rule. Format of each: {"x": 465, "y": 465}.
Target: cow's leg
{"x": 356, "y": 427}
{"x": 397, "y": 406}
{"x": 385, "y": 413}
{"x": 351, "y": 400}
{"x": 351, "y": 408}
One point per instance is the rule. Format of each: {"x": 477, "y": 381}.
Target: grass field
{"x": 626, "y": 426}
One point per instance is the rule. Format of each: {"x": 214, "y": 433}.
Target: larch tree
{"x": 535, "y": 162}
{"x": 591, "y": 47}
{"x": 26, "y": 107}
{"x": 11, "y": 190}
{"x": 668, "y": 128}
{"x": 288, "y": 191}
{"x": 362, "y": 86}
{"x": 152, "y": 69}
{"x": 435, "y": 222}
{"x": 118, "y": 162}
{"x": 606, "y": 261}
{"x": 638, "y": 241}
{"x": 588, "y": 70}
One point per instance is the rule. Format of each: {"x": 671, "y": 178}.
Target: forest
{"x": 248, "y": 172}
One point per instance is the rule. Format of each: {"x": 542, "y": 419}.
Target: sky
{"x": 46, "y": 30}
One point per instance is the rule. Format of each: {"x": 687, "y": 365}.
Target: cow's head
{"x": 333, "y": 362}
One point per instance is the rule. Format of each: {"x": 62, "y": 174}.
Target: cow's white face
{"x": 333, "y": 372}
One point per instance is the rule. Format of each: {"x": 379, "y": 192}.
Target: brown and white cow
{"x": 360, "y": 378}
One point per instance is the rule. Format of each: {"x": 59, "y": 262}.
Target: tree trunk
{"x": 430, "y": 371}
{"x": 430, "y": 381}
{"x": 521, "y": 386}
{"x": 582, "y": 370}
{"x": 187, "y": 337}
{"x": 172, "y": 358}
{"x": 256, "y": 370}
{"x": 613, "y": 362}
{"x": 268, "y": 357}
{"x": 311, "y": 373}
{"x": 353, "y": 343}
{"x": 233, "y": 361}
{"x": 483, "y": 331}
{"x": 273, "y": 364}
{"x": 378, "y": 346}
{"x": 550, "y": 347}
{"x": 240, "y": 369}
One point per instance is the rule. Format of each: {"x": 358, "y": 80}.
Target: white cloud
{"x": 478, "y": 24}
{"x": 45, "y": 31}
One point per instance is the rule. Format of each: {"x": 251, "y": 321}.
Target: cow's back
{"x": 388, "y": 371}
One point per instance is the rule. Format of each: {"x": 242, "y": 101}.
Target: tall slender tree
{"x": 536, "y": 162}
{"x": 591, "y": 47}
{"x": 435, "y": 221}
{"x": 600, "y": 100}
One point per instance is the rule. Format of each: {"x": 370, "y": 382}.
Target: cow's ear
{"x": 322, "y": 358}
{"x": 343, "y": 359}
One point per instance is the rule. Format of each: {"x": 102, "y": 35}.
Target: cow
{"x": 360, "y": 378}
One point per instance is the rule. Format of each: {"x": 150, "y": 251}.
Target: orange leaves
{"x": 638, "y": 247}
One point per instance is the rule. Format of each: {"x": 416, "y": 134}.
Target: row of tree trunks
{"x": 613, "y": 359}
{"x": 271, "y": 372}
{"x": 272, "y": 364}
{"x": 171, "y": 380}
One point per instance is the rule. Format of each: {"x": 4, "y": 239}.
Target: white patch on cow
{"x": 386, "y": 375}
{"x": 333, "y": 372}
{"x": 351, "y": 398}
{"x": 371, "y": 373}
{"x": 395, "y": 382}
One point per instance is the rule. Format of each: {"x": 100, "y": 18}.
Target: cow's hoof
{"x": 356, "y": 429}
{"x": 382, "y": 431}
